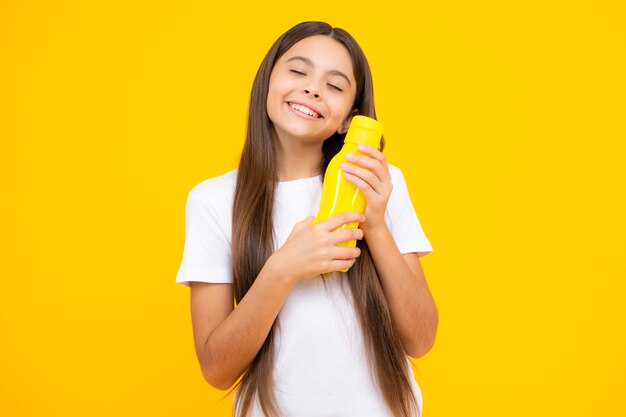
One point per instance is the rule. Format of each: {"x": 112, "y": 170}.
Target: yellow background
{"x": 507, "y": 120}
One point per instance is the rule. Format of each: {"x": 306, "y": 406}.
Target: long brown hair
{"x": 253, "y": 238}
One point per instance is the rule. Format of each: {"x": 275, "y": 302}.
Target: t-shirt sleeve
{"x": 401, "y": 218}
{"x": 206, "y": 254}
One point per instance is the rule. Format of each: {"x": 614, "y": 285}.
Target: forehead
{"x": 325, "y": 52}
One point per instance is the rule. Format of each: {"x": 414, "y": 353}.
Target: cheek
{"x": 341, "y": 108}
{"x": 275, "y": 94}
{"x": 280, "y": 83}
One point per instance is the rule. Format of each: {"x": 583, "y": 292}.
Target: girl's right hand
{"x": 311, "y": 250}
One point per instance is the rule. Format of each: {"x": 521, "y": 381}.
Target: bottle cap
{"x": 364, "y": 130}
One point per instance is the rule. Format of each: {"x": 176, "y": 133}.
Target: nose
{"x": 307, "y": 92}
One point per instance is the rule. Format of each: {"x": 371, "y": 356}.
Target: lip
{"x": 302, "y": 114}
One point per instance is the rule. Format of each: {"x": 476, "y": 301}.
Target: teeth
{"x": 304, "y": 110}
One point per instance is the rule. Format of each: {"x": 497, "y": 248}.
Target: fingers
{"x": 340, "y": 265}
{"x": 319, "y": 244}
{"x": 342, "y": 253}
{"x": 347, "y": 217}
{"x": 346, "y": 234}
{"x": 306, "y": 221}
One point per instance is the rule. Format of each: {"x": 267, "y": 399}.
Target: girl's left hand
{"x": 374, "y": 182}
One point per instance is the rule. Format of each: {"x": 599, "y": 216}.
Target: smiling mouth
{"x": 304, "y": 111}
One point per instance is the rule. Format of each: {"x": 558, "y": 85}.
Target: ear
{"x": 346, "y": 123}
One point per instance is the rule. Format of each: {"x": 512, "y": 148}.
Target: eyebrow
{"x": 308, "y": 61}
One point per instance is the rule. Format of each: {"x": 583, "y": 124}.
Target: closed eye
{"x": 330, "y": 85}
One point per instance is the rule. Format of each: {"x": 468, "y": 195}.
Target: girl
{"x": 305, "y": 338}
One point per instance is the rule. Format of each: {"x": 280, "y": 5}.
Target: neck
{"x": 297, "y": 159}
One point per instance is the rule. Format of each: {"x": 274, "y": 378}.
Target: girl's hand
{"x": 374, "y": 182}
{"x": 311, "y": 250}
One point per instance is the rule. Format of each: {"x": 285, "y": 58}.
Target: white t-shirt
{"x": 320, "y": 365}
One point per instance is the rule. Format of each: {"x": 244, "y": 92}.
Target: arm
{"x": 227, "y": 339}
{"x": 411, "y": 305}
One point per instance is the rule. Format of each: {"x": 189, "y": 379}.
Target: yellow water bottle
{"x": 338, "y": 194}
